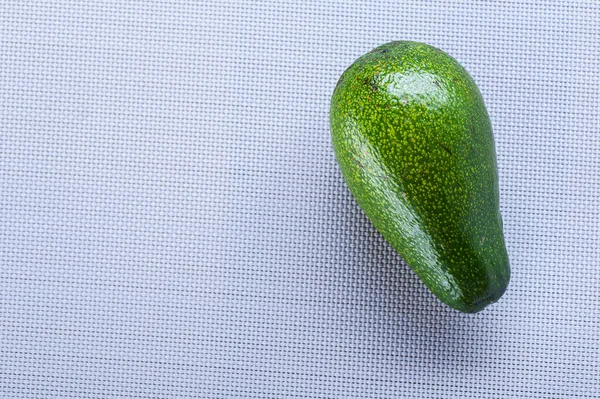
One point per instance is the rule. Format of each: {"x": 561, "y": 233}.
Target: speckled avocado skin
{"x": 414, "y": 142}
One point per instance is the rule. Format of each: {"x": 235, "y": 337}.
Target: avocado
{"x": 414, "y": 142}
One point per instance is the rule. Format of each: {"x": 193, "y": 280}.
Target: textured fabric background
{"x": 174, "y": 225}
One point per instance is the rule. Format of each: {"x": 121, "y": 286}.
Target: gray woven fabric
{"x": 174, "y": 225}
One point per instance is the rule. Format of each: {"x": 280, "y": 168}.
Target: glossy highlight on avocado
{"x": 414, "y": 143}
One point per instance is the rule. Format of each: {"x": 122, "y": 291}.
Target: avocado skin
{"x": 415, "y": 145}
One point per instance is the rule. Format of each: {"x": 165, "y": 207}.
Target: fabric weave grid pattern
{"x": 174, "y": 223}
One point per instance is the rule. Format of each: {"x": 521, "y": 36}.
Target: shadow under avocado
{"x": 398, "y": 306}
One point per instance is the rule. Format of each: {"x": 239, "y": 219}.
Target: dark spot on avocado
{"x": 379, "y": 50}
{"x": 445, "y": 148}
{"x": 372, "y": 83}
{"x": 358, "y": 163}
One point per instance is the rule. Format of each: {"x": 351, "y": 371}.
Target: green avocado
{"x": 415, "y": 146}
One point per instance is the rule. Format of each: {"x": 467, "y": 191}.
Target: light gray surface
{"x": 173, "y": 223}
